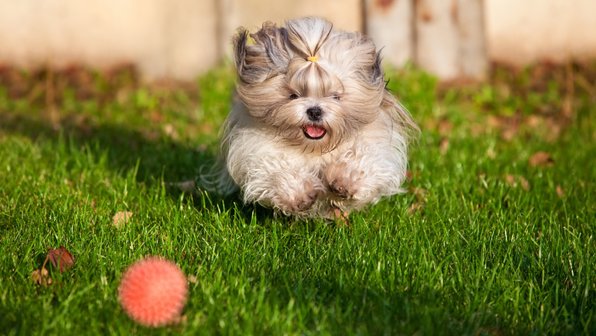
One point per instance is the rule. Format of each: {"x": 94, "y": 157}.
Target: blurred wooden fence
{"x": 182, "y": 38}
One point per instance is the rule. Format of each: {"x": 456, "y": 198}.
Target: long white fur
{"x": 264, "y": 152}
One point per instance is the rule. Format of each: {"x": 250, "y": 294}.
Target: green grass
{"x": 484, "y": 242}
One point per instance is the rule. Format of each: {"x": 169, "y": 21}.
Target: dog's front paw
{"x": 342, "y": 181}
{"x": 298, "y": 201}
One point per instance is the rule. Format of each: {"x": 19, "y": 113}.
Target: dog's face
{"x": 310, "y": 85}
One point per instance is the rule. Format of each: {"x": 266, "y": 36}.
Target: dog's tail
{"x": 215, "y": 179}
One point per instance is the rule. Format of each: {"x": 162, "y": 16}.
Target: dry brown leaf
{"x": 513, "y": 180}
{"x": 419, "y": 203}
{"x": 541, "y": 159}
{"x": 410, "y": 175}
{"x": 509, "y": 133}
{"x": 444, "y": 145}
{"x": 508, "y": 127}
{"x": 560, "y": 191}
{"x": 171, "y": 131}
{"x": 444, "y": 127}
{"x": 510, "y": 180}
{"x": 41, "y": 277}
{"x": 61, "y": 259}
{"x": 524, "y": 183}
{"x": 121, "y": 218}
{"x": 415, "y": 207}
{"x": 156, "y": 117}
{"x": 494, "y": 122}
{"x": 420, "y": 193}
{"x": 555, "y": 129}
{"x": 534, "y": 121}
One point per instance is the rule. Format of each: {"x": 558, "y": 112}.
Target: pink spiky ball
{"x": 153, "y": 292}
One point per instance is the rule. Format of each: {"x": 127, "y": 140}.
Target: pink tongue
{"x": 314, "y": 131}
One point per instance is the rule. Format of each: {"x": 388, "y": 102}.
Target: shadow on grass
{"x": 124, "y": 148}
{"x": 366, "y": 308}
{"x": 153, "y": 157}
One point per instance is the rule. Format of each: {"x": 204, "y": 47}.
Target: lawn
{"x": 495, "y": 235}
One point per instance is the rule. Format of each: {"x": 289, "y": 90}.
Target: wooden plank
{"x": 437, "y": 37}
{"x": 390, "y": 23}
{"x": 472, "y": 38}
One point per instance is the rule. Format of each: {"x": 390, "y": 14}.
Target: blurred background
{"x": 181, "y": 39}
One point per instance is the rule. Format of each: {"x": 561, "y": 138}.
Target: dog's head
{"x": 310, "y": 84}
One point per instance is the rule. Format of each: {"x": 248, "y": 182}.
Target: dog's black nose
{"x": 314, "y": 113}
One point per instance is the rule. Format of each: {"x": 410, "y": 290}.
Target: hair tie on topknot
{"x": 313, "y": 59}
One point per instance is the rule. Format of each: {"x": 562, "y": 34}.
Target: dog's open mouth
{"x": 314, "y": 132}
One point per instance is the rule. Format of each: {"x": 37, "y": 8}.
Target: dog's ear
{"x": 275, "y": 41}
{"x": 261, "y": 55}
{"x": 377, "y": 72}
{"x": 251, "y": 64}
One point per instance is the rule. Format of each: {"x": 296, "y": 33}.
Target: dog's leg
{"x": 342, "y": 180}
{"x": 277, "y": 181}
{"x": 365, "y": 173}
{"x": 295, "y": 194}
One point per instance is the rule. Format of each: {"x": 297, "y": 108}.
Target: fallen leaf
{"x": 494, "y": 122}
{"x": 554, "y": 129}
{"x": 444, "y": 127}
{"x": 541, "y": 159}
{"x": 444, "y": 145}
{"x": 411, "y": 175}
{"x": 192, "y": 279}
{"x": 121, "y": 218}
{"x": 507, "y": 127}
{"x": 420, "y": 193}
{"x": 41, "y": 277}
{"x": 61, "y": 258}
{"x": 513, "y": 180}
{"x": 534, "y": 121}
{"x": 415, "y": 207}
{"x": 510, "y": 180}
{"x": 560, "y": 191}
{"x": 156, "y": 117}
{"x": 171, "y": 132}
{"x": 524, "y": 183}
{"x": 509, "y": 133}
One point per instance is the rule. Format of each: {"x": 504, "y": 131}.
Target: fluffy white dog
{"x": 313, "y": 132}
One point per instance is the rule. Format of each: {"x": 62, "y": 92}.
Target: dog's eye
{"x": 336, "y": 97}
{"x": 293, "y": 96}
